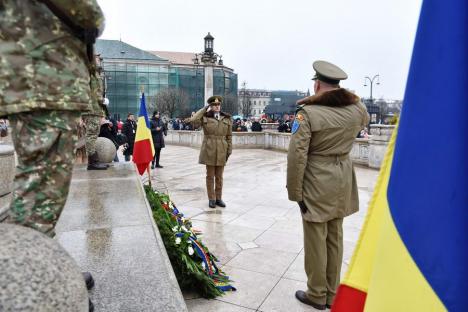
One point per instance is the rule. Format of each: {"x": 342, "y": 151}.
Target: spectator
{"x": 129, "y": 129}
{"x": 119, "y": 126}
{"x": 158, "y": 129}
{"x": 256, "y": 126}
{"x": 107, "y": 131}
{"x": 248, "y": 125}
{"x": 3, "y": 128}
{"x": 285, "y": 124}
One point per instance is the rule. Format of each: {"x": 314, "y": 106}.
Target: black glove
{"x": 303, "y": 207}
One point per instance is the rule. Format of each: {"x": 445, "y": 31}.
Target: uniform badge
{"x": 295, "y": 126}
{"x": 300, "y": 117}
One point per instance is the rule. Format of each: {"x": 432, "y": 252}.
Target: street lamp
{"x": 376, "y": 78}
{"x": 371, "y": 83}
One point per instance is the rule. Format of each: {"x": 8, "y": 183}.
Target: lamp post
{"x": 376, "y": 78}
{"x": 209, "y": 59}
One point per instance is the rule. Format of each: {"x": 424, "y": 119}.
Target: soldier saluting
{"x": 216, "y": 146}
{"x": 321, "y": 178}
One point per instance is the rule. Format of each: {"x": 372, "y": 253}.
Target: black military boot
{"x": 89, "y": 280}
{"x": 93, "y": 163}
{"x": 212, "y": 203}
{"x": 91, "y": 306}
{"x": 220, "y": 203}
{"x": 302, "y": 297}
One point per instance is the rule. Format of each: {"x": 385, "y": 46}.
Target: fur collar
{"x": 222, "y": 114}
{"x": 335, "y": 98}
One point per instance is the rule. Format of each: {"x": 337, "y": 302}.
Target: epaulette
{"x": 299, "y": 107}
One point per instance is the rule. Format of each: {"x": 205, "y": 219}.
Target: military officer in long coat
{"x": 216, "y": 146}
{"x": 321, "y": 178}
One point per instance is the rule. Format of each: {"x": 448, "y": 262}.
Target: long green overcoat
{"x": 217, "y": 137}
{"x": 320, "y": 172}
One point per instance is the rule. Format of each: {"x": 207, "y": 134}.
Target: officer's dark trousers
{"x": 323, "y": 250}
{"x": 214, "y": 182}
{"x": 157, "y": 156}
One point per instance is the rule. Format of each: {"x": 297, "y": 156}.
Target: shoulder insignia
{"x": 299, "y": 117}
{"x": 295, "y": 126}
{"x": 299, "y": 107}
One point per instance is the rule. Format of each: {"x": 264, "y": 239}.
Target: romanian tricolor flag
{"x": 143, "y": 149}
{"x": 412, "y": 254}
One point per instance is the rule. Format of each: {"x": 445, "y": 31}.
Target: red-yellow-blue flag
{"x": 412, "y": 254}
{"x": 143, "y": 149}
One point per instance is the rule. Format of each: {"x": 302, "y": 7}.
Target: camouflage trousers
{"x": 92, "y": 124}
{"x": 44, "y": 142}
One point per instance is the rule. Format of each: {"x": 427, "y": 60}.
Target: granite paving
{"x": 258, "y": 236}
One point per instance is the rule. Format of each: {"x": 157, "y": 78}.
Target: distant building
{"x": 382, "y": 111}
{"x": 259, "y": 99}
{"x": 283, "y": 102}
{"x": 274, "y": 103}
{"x": 128, "y": 68}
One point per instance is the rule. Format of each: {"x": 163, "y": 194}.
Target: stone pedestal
{"x": 7, "y": 168}
{"x": 37, "y": 274}
{"x": 378, "y": 143}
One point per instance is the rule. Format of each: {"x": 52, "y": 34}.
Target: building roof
{"x": 183, "y": 58}
{"x": 116, "y": 49}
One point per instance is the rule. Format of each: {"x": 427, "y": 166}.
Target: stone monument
{"x": 37, "y": 274}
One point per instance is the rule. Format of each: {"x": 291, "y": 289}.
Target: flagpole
{"x": 149, "y": 175}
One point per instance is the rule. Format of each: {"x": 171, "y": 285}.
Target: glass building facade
{"x": 127, "y": 69}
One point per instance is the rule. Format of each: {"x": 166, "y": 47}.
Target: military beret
{"x": 328, "y": 72}
{"x": 215, "y": 99}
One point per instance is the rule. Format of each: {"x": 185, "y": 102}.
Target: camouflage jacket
{"x": 96, "y": 95}
{"x": 43, "y": 65}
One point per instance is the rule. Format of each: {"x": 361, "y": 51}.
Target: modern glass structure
{"x": 128, "y": 69}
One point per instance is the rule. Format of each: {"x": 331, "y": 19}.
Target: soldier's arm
{"x": 297, "y": 156}
{"x": 229, "y": 140}
{"x": 196, "y": 119}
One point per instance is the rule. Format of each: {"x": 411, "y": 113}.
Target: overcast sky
{"x": 272, "y": 44}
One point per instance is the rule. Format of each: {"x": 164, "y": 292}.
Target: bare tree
{"x": 171, "y": 101}
{"x": 230, "y": 104}
{"x": 245, "y": 104}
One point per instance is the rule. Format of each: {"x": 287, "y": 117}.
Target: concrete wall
{"x": 367, "y": 152}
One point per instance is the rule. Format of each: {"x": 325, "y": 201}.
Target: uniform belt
{"x": 214, "y": 136}
{"x": 329, "y": 158}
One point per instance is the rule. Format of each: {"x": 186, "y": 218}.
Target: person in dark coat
{"x": 256, "y": 126}
{"x": 129, "y": 130}
{"x": 158, "y": 131}
{"x": 107, "y": 131}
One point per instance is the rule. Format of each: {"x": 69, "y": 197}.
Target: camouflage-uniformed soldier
{"x": 320, "y": 177}
{"x": 216, "y": 147}
{"x": 44, "y": 87}
{"x": 92, "y": 119}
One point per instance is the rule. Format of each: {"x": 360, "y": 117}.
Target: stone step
{"x": 108, "y": 229}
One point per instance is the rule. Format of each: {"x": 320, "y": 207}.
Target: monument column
{"x": 208, "y": 82}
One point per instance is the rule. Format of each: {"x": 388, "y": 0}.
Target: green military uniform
{"x": 320, "y": 176}
{"x": 44, "y": 87}
{"x": 216, "y": 146}
{"x": 92, "y": 118}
